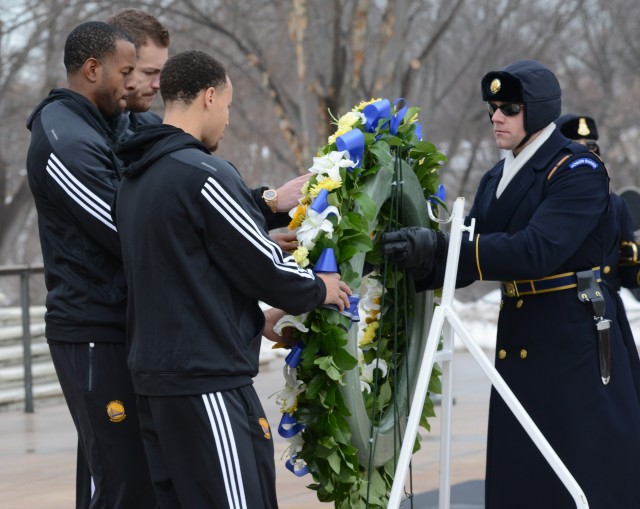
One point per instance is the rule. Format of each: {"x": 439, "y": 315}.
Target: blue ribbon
{"x": 351, "y": 312}
{"x": 375, "y": 112}
{"x": 397, "y": 119}
{"x": 300, "y": 472}
{"x": 294, "y": 427}
{"x": 418, "y": 131}
{"x": 294, "y": 357}
{"x": 441, "y": 194}
{"x": 326, "y": 261}
{"x": 320, "y": 202}
{"x": 353, "y": 142}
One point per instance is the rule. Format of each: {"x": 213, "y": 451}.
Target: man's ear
{"x": 209, "y": 97}
{"x": 91, "y": 69}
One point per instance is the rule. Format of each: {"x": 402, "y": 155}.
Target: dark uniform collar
{"x": 540, "y": 160}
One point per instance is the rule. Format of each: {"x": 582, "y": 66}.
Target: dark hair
{"x": 141, "y": 27}
{"x": 187, "y": 74}
{"x": 93, "y": 39}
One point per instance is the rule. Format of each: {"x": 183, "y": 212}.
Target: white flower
{"x": 370, "y": 301}
{"x": 315, "y": 223}
{"x": 328, "y": 166}
{"x": 291, "y": 321}
{"x": 366, "y": 375}
{"x": 287, "y": 398}
{"x": 291, "y": 453}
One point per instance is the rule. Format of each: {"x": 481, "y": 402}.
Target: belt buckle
{"x": 510, "y": 288}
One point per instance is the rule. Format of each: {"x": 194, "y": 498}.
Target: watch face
{"x": 269, "y": 194}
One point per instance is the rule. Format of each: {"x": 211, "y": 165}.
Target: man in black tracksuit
{"x": 73, "y": 171}
{"x": 197, "y": 259}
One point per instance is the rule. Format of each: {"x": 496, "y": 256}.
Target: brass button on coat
{"x": 501, "y": 304}
{"x": 606, "y": 269}
{"x": 502, "y": 354}
{"x": 523, "y": 354}
{"x": 520, "y": 303}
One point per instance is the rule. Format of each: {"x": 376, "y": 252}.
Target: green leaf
{"x": 314, "y": 387}
{"x": 334, "y": 462}
{"x": 327, "y": 365}
{"x": 382, "y": 153}
{"x": 366, "y": 206}
{"x": 344, "y": 360}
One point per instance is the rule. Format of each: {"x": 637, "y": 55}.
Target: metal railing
{"x": 25, "y": 272}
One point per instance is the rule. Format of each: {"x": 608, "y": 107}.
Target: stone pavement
{"x": 37, "y": 451}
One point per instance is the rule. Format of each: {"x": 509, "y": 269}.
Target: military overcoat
{"x": 555, "y": 219}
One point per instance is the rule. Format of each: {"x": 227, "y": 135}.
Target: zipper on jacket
{"x": 90, "y": 380}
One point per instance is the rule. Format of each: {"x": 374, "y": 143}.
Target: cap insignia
{"x": 495, "y": 86}
{"x": 583, "y": 129}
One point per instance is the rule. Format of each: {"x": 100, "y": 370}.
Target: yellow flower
{"x": 362, "y": 105}
{"x": 301, "y": 256}
{"x": 369, "y": 333}
{"x": 329, "y": 184}
{"x": 338, "y": 133}
{"x": 348, "y": 120}
{"x": 305, "y": 192}
{"x": 298, "y": 216}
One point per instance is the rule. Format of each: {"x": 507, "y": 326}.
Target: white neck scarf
{"x": 513, "y": 164}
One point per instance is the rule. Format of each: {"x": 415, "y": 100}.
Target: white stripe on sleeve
{"x": 80, "y": 193}
{"x": 241, "y": 221}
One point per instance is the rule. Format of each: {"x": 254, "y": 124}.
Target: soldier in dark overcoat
{"x": 544, "y": 224}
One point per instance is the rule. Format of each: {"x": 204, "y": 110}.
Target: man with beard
{"x": 73, "y": 171}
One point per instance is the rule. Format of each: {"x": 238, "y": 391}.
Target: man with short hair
{"x": 543, "y": 228}
{"x": 197, "y": 260}
{"x": 151, "y": 39}
{"x": 73, "y": 171}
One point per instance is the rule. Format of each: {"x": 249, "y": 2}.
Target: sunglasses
{"x": 508, "y": 110}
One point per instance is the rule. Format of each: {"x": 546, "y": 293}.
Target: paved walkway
{"x": 37, "y": 451}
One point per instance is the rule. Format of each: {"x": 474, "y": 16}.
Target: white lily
{"x": 369, "y": 304}
{"x": 315, "y": 223}
{"x": 329, "y": 165}
{"x": 291, "y": 453}
{"x": 287, "y": 397}
{"x": 368, "y": 369}
{"x": 291, "y": 321}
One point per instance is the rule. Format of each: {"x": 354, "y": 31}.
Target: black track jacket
{"x": 197, "y": 260}
{"x": 73, "y": 171}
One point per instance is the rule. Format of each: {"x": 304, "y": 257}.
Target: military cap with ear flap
{"x": 577, "y": 127}
{"x": 526, "y": 82}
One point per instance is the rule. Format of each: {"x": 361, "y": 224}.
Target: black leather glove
{"x": 416, "y": 249}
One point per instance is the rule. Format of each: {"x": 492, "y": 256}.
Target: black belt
{"x": 548, "y": 284}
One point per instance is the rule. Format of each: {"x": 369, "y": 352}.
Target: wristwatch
{"x": 270, "y": 197}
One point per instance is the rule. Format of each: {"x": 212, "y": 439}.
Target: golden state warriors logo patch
{"x": 264, "y": 424}
{"x": 495, "y": 86}
{"x": 115, "y": 411}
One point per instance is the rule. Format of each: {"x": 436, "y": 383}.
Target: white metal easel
{"x": 445, "y": 322}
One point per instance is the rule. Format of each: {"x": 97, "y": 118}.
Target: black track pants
{"x": 212, "y": 451}
{"x": 97, "y": 387}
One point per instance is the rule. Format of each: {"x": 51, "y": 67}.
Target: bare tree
{"x": 294, "y": 63}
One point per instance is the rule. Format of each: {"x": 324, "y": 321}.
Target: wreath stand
{"x": 444, "y": 323}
